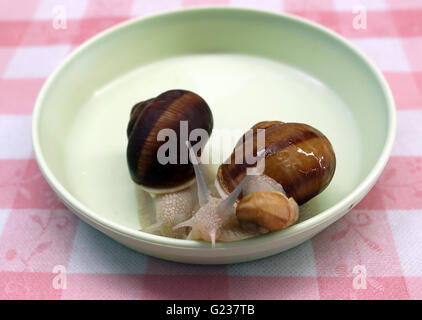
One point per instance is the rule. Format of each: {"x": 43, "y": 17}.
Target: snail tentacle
{"x": 228, "y": 203}
{"x": 203, "y": 193}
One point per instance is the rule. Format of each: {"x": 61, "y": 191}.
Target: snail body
{"x": 173, "y": 208}
{"x": 297, "y": 156}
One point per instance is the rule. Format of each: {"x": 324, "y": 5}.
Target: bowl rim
{"x": 343, "y": 205}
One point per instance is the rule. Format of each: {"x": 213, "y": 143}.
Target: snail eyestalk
{"x": 203, "y": 194}
{"x": 228, "y": 203}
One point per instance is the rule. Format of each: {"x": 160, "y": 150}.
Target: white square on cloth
{"x": 349, "y": 5}
{"x": 406, "y": 226}
{"x": 73, "y": 9}
{"x": 94, "y": 252}
{"x": 15, "y": 137}
{"x": 269, "y": 5}
{"x": 4, "y": 214}
{"x": 36, "y": 61}
{"x": 387, "y": 53}
{"x": 298, "y": 261}
{"x": 409, "y": 133}
{"x": 142, "y": 7}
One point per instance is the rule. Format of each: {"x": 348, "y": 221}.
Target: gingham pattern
{"x": 37, "y": 232}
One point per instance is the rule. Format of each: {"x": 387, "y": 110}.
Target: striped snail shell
{"x": 147, "y": 118}
{"x": 297, "y": 156}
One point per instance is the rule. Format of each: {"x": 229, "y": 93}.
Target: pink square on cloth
{"x": 37, "y": 240}
{"x": 18, "y": 9}
{"x": 361, "y": 238}
{"x": 17, "y": 96}
{"x": 103, "y": 287}
{"x": 23, "y": 186}
{"x": 408, "y": 22}
{"x": 185, "y": 287}
{"x": 378, "y": 288}
{"x": 399, "y": 187}
{"x": 414, "y": 286}
{"x": 28, "y": 285}
{"x": 12, "y": 32}
{"x": 11, "y": 172}
{"x": 273, "y": 288}
{"x": 413, "y": 50}
{"x": 406, "y": 92}
{"x": 418, "y": 79}
{"x": 43, "y": 32}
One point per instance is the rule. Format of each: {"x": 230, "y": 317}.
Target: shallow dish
{"x": 249, "y": 66}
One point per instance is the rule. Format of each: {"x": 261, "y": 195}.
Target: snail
{"x": 151, "y": 121}
{"x": 299, "y": 164}
{"x": 178, "y": 115}
{"x": 297, "y": 156}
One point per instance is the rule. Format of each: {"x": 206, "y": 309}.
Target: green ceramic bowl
{"x": 249, "y": 66}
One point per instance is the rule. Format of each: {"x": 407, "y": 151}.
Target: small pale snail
{"x": 170, "y": 183}
{"x": 297, "y": 156}
{"x": 265, "y": 207}
{"x": 215, "y": 219}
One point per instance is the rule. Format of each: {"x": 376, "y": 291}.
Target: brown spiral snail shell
{"x": 166, "y": 111}
{"x": 297, "y": 156}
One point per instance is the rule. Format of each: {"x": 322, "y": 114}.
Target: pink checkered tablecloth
{"x": 37, "y": 233}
